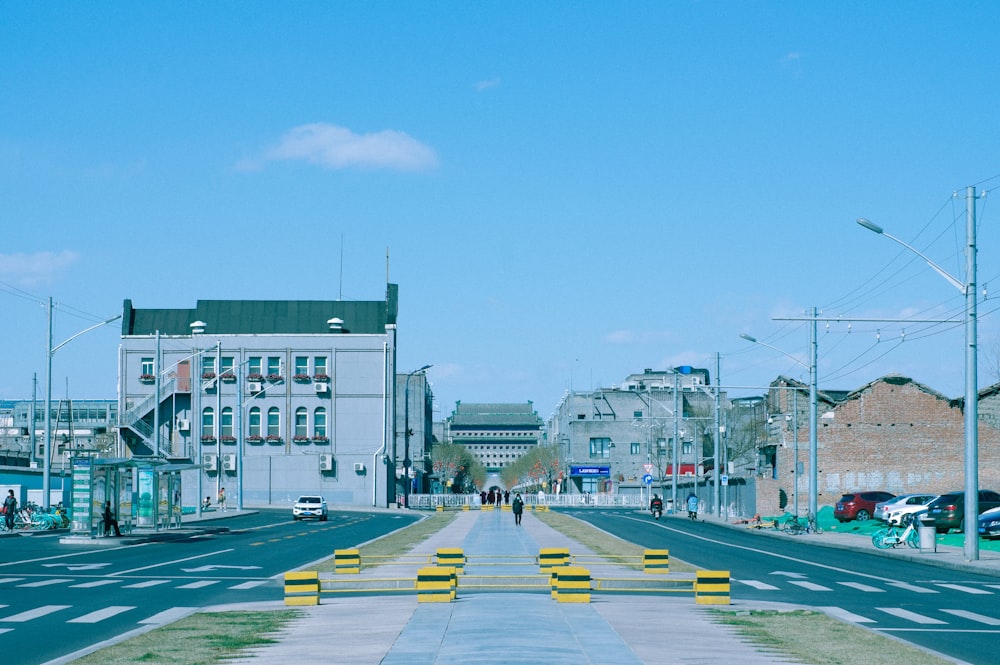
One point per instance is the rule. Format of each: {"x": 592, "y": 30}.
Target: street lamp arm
{"x": 87, "y": 330}
{"x": 871, "y": 226}
{"x": 750, "y": 338}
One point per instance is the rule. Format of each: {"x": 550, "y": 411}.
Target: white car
{"x": 901, "y": 509}
{"x": 310, "y": 506}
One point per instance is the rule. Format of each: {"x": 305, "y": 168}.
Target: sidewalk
{"x": 511, "y": 628}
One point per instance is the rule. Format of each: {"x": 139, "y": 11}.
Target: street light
{"x": 813, "y": 470}
{"x": 971, "y": 536}
{"x": 406, "y": 434}
{"x": 51, "y": 350}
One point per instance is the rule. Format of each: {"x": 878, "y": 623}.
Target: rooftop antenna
{"x": 386, "y": 264}
{"x": 340, "y": 296}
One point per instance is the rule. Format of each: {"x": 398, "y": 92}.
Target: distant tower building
{"x": 496, "y": 434}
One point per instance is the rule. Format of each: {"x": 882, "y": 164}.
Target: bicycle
{"x": 891, "y": 537}
{"x": 796, "y": 526}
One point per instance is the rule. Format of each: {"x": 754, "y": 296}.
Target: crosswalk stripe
{"x": 913, "y": 587}
{"x": 48, "y": 582}
{"x": 249, "y": 585}
{"x": 145, "y": 585}
{"x": 862, "y": 587}
{"x": 4, "y": 580}
{"x": 911, "y": 616}
{"x": 812, "y": 586}
{"x": 5, "y": 630}
{"x": 967, "y": 589}
{"x": 972, "y": 616}
{"x": 199, "y": 584}
{"x": 101, "y": 615}
{"x": 168, "y": 616}
{"x": 35, "y": 613}
{"x": 844, "y": 615}
{"x": 756, "y": 584}
{"x": 95, "y": 583}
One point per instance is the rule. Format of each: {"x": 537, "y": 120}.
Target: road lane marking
{"x": 967, "y": 589}
{"x": 912, "y": 616}
{"x": 913, "y": 587}
{"x": 4, "y": 580}
{"x": 95, "y": 583}
{"x": 249, "y": 585}
{"x": 101, "y": 615}
{"x": 844, "y": 615}
{"x": 170, "y": 563}
{"x": 57, "y": 580}
{"x": 145, "y": 585}
{"x": 199, "y": 584}
{"x": 757, "y": 584}
{"x": 972, "y": 616}
{"x": 862, "y": 587}
{"x": 812, "y": 586}
{"x": 35, "y": 613}
{"x": 168, "y": 616}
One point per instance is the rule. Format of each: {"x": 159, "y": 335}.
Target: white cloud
{"x": 335, "y": 147}
{"x": 486, "y": 85}
{"x": 37, "y": 268}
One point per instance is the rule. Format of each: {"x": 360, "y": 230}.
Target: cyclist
{"x": 656, "y": 506}
{"x": 692, "y": 506}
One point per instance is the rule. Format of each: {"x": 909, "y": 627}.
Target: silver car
{"x": 901, "y": 509}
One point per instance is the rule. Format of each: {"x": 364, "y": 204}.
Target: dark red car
{"x": 859, "y": 505}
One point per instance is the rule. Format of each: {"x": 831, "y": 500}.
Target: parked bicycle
{"x": 799, "y": 525}
{"x": 893, "y": 537}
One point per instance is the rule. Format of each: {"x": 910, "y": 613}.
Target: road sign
{"x": 724, "y": 479}
{"x": 648, "y": 479}
{"x": 648, "y": 468}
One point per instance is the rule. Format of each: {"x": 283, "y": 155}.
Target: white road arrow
{"x": 77, "y": 566}
{"x": 205, "y": 569}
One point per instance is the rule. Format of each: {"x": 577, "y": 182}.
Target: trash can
{"x": 927, "y": 535}
{"x": 670, "y": 506}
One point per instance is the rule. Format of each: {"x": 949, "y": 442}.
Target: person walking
{"x": 222, "y": 499}
{"x": 517, "y": 507}
{"x": 109, "y": 521}
{"x": 506, "y": 497}
{"x": 9, "y": 510}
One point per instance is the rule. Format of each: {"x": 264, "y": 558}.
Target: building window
{"x": 226, "y": 422}
{"x": 226, "y": 366}
{"x": 273, "y": 421}
{"x": 633, "y": 448}
{"x": 146, "y": 366}
{"x": 274, "y": 366}
{"x": 208, "y": 365}
{"x": 686, "y": 449}
{"x": 208, "y": 423}
{"x": 255, "y": 421}
{"x": 253, "y": 366}
{"x": 301, "y": 422}
{"x": 320, "y": 365}
{"x": 301, "y": 365}
{"x": 600, "y": 447}
{"x": 637, "y": 414}
{"x": 319, "y": 421}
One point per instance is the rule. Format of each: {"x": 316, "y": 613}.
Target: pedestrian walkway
{"x": 505, "y": 627}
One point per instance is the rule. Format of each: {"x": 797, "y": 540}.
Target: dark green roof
{"x": 495, "y": 415}
{"x": 265, "y": 317}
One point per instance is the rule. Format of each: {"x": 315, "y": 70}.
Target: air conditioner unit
{"x": 255, "y": 386}
{"x": 183, "y": 424}
{"x": 359, "y": 467}
{"x": 326, "y": 462}
{"x": 211, "y": 462}
{"x": 321, "y": 387}
{"x": 229, "y": 462}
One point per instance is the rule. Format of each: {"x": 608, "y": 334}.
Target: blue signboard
{"x": 648, "y": 479}
{"x": 590, "y": 471}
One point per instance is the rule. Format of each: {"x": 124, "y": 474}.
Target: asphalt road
{"x": 955, "y": 613}
{"x": 56, "y": 599}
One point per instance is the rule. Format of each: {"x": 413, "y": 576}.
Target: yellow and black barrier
{"x": 440, "y": 508}
{"x": 711, "y": 587}
{"x": 436, "y": 584}
{"x": 656, "y": 561}
{"x": 302, "y": 588}
{"x": 552, "y": 556}
{"x": 347, "y": 562}
{"x": 453, "y": 557}
{"x": 572, "y": 584}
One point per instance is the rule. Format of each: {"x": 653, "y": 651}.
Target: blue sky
{"x": 566, "y": 192}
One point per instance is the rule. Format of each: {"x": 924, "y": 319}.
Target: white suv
{"x": 310, "y": 506}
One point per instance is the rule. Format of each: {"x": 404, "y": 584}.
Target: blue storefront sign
{"x": 590, "y": 471}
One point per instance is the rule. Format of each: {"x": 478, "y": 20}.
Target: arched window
{"x": 301, "y": 421}
{"x": 274, "y": 421}
{"x": 319, "y": 421}
{"x": 208, "y": 422}
{"x": 226, "y": 421}
{"x": 254, "y": 421}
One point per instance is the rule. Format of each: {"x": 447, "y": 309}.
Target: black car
{"x": 948, "y": 510}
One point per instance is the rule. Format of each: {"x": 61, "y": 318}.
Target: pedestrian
{"x": 490, "y": 497}
{"x": 518, "y": 508}
{"x": 109, "y": 521}
{"x": 482, "y": 498}
{"x": 506, "y": 496}
{"x": 207, "y": 503}
{"x": 9, "y": 510}
{"x": 222, "y": 499}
